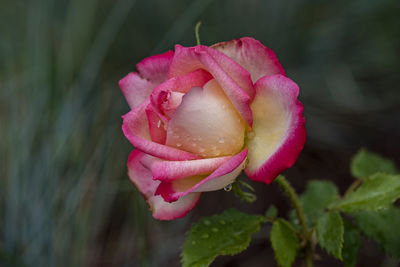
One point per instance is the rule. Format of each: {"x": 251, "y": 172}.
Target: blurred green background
{"x": 65, "y": 198}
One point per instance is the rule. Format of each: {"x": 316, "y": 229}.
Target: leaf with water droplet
{"x": 206, "y": 241}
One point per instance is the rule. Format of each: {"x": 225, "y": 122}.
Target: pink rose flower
{"x": 200, "y": 115}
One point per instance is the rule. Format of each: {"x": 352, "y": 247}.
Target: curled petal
{"x": 234, "y": 80}
{"x": 167, "y": 171}
{"x": 278, "y": 128}
{"x": 157, "y": 130}
{"x": 168, "y": 95}
{"x": 142, "y": 178}
{"x": 152, "y": 71}
{"x": 206, "y": 123}
{"x": 221, "y": 177}
{"x": 136, "y": 129}
{"x": 257, "y": 59}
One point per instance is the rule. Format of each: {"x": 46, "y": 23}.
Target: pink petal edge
{"x": 152, "y": 71}
{"x": 136, "y": 129}
{"x": 250, "y": 53}
{"x": 169, "y": 171}
{"x": 221, "y": 177}
{"x": 281, "y": 93}
{"x": 142, "y": 178}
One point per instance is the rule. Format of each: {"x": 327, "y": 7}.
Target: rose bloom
{"x": 200, "y": 115}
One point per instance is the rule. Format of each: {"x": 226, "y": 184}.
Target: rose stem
{"x": 288, "y": 189}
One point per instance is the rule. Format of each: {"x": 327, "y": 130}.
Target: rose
{"x": 200, "y": 115}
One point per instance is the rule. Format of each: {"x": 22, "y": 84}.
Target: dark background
{"x": 65, "y": 199}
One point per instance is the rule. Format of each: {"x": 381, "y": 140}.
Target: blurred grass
{"x": 65, "y": 199}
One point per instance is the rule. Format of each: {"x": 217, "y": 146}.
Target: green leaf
{"x": 365, "y": 164}
{"x": 317, "y": 197}
{"x": 227, "y": 233}
{"x": 375, "y": 193}
{"x": 330, "y": 231}
{"x": 383, "y": 227}
{"x": 284, "y": 242}
{"x": 351, "y": 244}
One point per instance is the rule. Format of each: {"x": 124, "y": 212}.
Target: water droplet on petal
{"x": 228, "y": 188}
{"x": 205, "y": 236}
{"x": 207, "y": 222}
{"x": 178, "y": 144}
{"x": 158, "y": 124}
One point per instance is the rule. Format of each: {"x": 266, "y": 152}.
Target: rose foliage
{"x": 200, "y": 115}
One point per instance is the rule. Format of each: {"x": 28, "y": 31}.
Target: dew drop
{"x": 178, "y": 144}
{"x": 205, "y": 236}
{"x": 207, "y": 222}
{"x": 228, "y": 188}
{"x": 221, "y": 140}
{"x": 158, "y": 124}
{"x": 214, "y": 229}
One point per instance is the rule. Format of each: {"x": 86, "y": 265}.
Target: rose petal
{"x": 152, "y": 71}
{"x": 155, "y": 68}
{"x": 234, "y": 80}
{"x": 221, "y": 177}
{"x": 157, "y": 130}
{"x": 136, "y": 129}
{"x": 173, "y": 170}
{"x": 161, "y": 210}
{"x": 168, "y": 95}
{"x": 257, "y": 59}
{"x": 278, "y": 127}
{"x": 206, "y": 123}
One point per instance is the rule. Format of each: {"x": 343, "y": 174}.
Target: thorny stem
{"x": 305, "y": 232}
{"x": 196, "y": 31}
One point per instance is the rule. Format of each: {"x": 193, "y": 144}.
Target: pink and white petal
{"x": 257, "y": 59}
{"x": 168, "y": 95}
{"x": 221, "y": 177}
{"x": 152, "y": 71}
{"x": 174, "y": 170}
{"x": 142, "y": 178}
{"x": 155, "y": 68}
{"x": 135, "y": 89}
{"x": 234, "y": 80}
{"x": 157, "y": 130}
{"x": 239, "y": 98}
{"x": 136, "y": 129}
{"x": 206, "y": 123}
{"x": 278, "y": 127}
